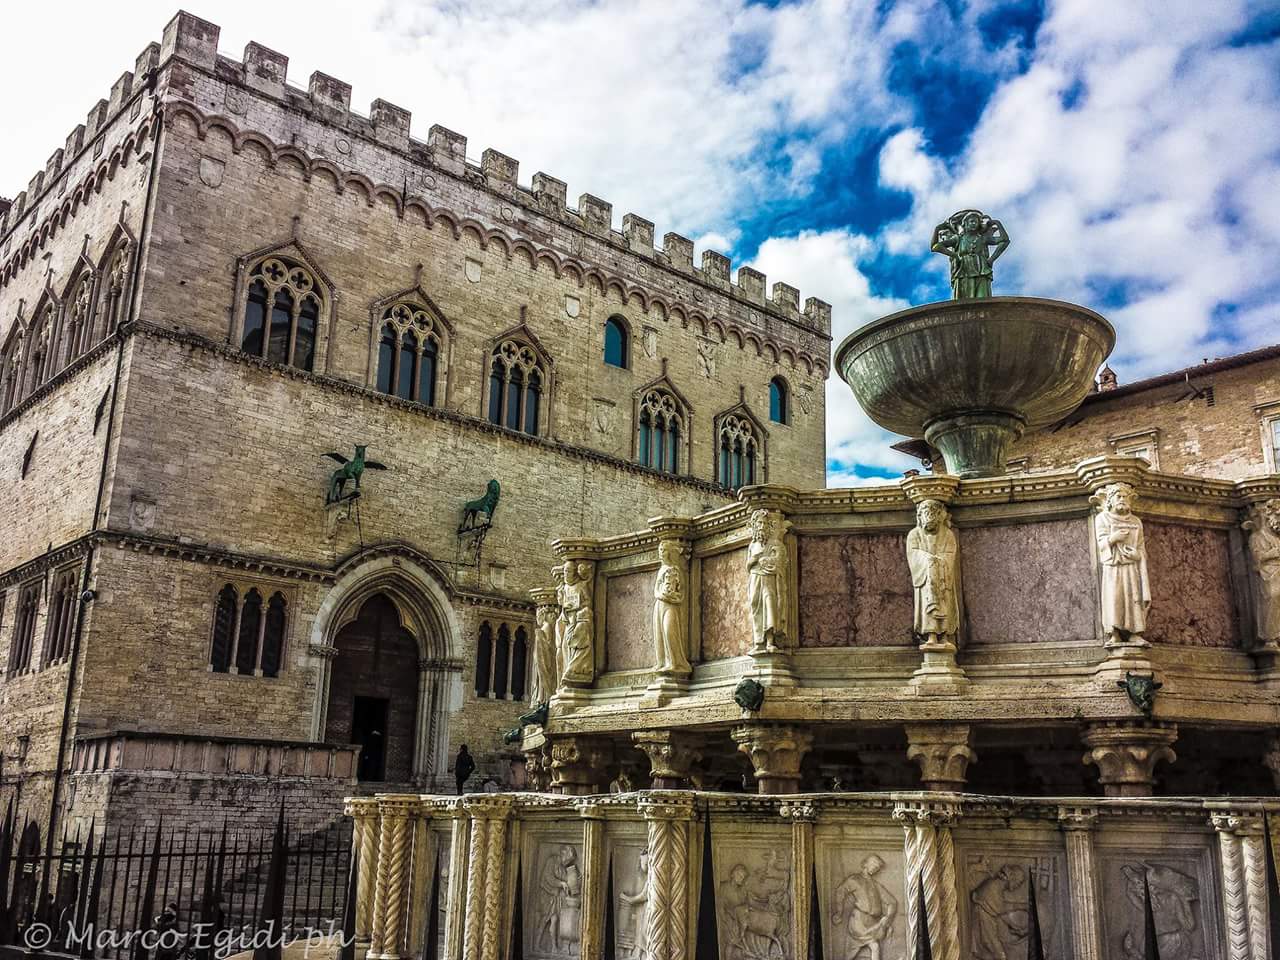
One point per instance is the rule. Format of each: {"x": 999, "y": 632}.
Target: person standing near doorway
{"x": 463, "y": 766}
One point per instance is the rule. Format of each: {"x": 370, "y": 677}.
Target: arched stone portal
{"x": 373, "y": 692}
{"x": 386, "y": 639}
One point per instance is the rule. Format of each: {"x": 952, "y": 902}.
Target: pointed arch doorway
{"x": 385, "y": 639}
{"x": 373, "y": 692}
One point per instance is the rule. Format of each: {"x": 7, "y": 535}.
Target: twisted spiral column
{"x": 667, "y": 924}
{"x": 950, "y": 905}
{"x": 930, "y": 863}
{"x": 494, "y": 876}
{"x": 473, "y": 907}
{"x": 1234, "y": 909}
{"x": 364, "y": 813}
{"x": 1252, "y": 840}
{"x": 392, "y": 877}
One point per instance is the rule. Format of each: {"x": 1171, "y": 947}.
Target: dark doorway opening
{"x": 369, "y": 729}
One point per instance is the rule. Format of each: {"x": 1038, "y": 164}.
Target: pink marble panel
{"x": 1191, "y": 596}
{"x": 726, "y": 620}
{"x": 628, "y": 641}
{"x": 855, "y": 590}
{"x": 1029, "y": 582}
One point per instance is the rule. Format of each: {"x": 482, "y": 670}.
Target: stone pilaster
{"x": 775, "y": 751}
{"x": 802, "y": 817}
{"x": 578, "y": 765}
{"x": 668, "y": 885}
{"x": 391, "y": 890}
{"x": 942, "y": 750}
{"x": 1244, "y": 883}
{"x": 671, "y": 756}
{"x": 930, "y": 858}
{"x": 594, "y": 882}
{"x": 1126, "y": 754}
{"x": 364, "y": 841}
{"x": 486, "y": 876}
{"x": 1082, "y": 873}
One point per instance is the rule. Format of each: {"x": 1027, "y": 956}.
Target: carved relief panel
{"x": 553, "y": 880}
{"x": 861, "y": 880}
{"x": 994, "y": 899}
{"x": 630, "y": 858}
{"x": 1184, "y": 900}
{"x": 753, "y": 894}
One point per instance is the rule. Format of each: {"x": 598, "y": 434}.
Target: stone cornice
{"x": 72, "y": 549}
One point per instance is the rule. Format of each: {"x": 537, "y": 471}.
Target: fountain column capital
{"x": 1098, "y": 472}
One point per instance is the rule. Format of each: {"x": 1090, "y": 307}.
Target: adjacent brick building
{"x": 221, "y": 277}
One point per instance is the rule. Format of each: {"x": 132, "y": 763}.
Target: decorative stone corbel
{"x": 1126, "y": 754}
{"x": 1244, "y": 882}
{"x": 943, "y": 752}
{"x": 671, "y": 757}
{"x": 930, "y": 486}
{"x": 578, "y": 765}
{"x": 776, "y": 751}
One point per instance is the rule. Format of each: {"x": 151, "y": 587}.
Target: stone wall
{"x": 1209, "y": 433}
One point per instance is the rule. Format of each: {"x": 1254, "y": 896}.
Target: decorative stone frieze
{"x": 775, "y": 751}
{"x": 1126, "y": 754}
{"x": 943, "y": 752}
{"x": 671, "y": 757}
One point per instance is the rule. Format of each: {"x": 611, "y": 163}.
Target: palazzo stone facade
{"x": 222, "y": 277}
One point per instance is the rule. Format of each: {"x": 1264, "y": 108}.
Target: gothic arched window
{"x": 40, "y": 349}
{"x": 779, "y": 401}
{"x": 516, "y": 383}
{"x": 281, "y": 313}
{"x": 117, "y": 278}
{"x": 273, "y": 636}
{"x": 519, "y": 663}
{"x": 661, "y": 426}
{"x": 501, "y": 662}
{"x": 484, "y": 659}
{"x": 616, "y": 343}
{"x": 224, "y": 625}
{"x": 11, "y": 370}
{"x": 409, "y": 348}
{"x": 24, "y": 629}
{"x": 61, "y": 617}
{"x": 246, "y": 658}
{"x": 739, "y": 452}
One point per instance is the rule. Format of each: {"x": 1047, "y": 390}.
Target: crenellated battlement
{"x": 265, "y": 71}
{"x": 83, "y": 136}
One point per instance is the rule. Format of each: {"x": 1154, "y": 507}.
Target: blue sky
{"x": 1131, "y": 148}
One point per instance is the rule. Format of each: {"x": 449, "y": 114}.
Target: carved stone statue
{"x": 633, "y": 911}
{"x": 562, "y": 619}
{"x": 973, "y": 242}
{"x": 933, "y": 554}
{"x": 560, "y": 903}
{"x": 669, "y": 610}
{"x": 865, "y": 911}
{"x": 767, "y": 570}
{"x": 1264, "y": 551}
{"x": 578, "y": 653}
{"x": 1122, "y": 553}
{"x": 543, "y": 684}
{"x": 755, "y": 910}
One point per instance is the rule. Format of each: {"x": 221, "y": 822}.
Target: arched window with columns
{"x": 502, "y": 660}
{"x": 250, "y": 624}
{"x": 740, "y": 449}
{"x": 284, "y": 306}
{"x": 661, "y": 431}
{"x": 519, "y": 384}
{"x": 116, "y": 273}
{"x": 77, "y": 327}
{"x": 11, "y": 366}
{"x": 411, "y": 349}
